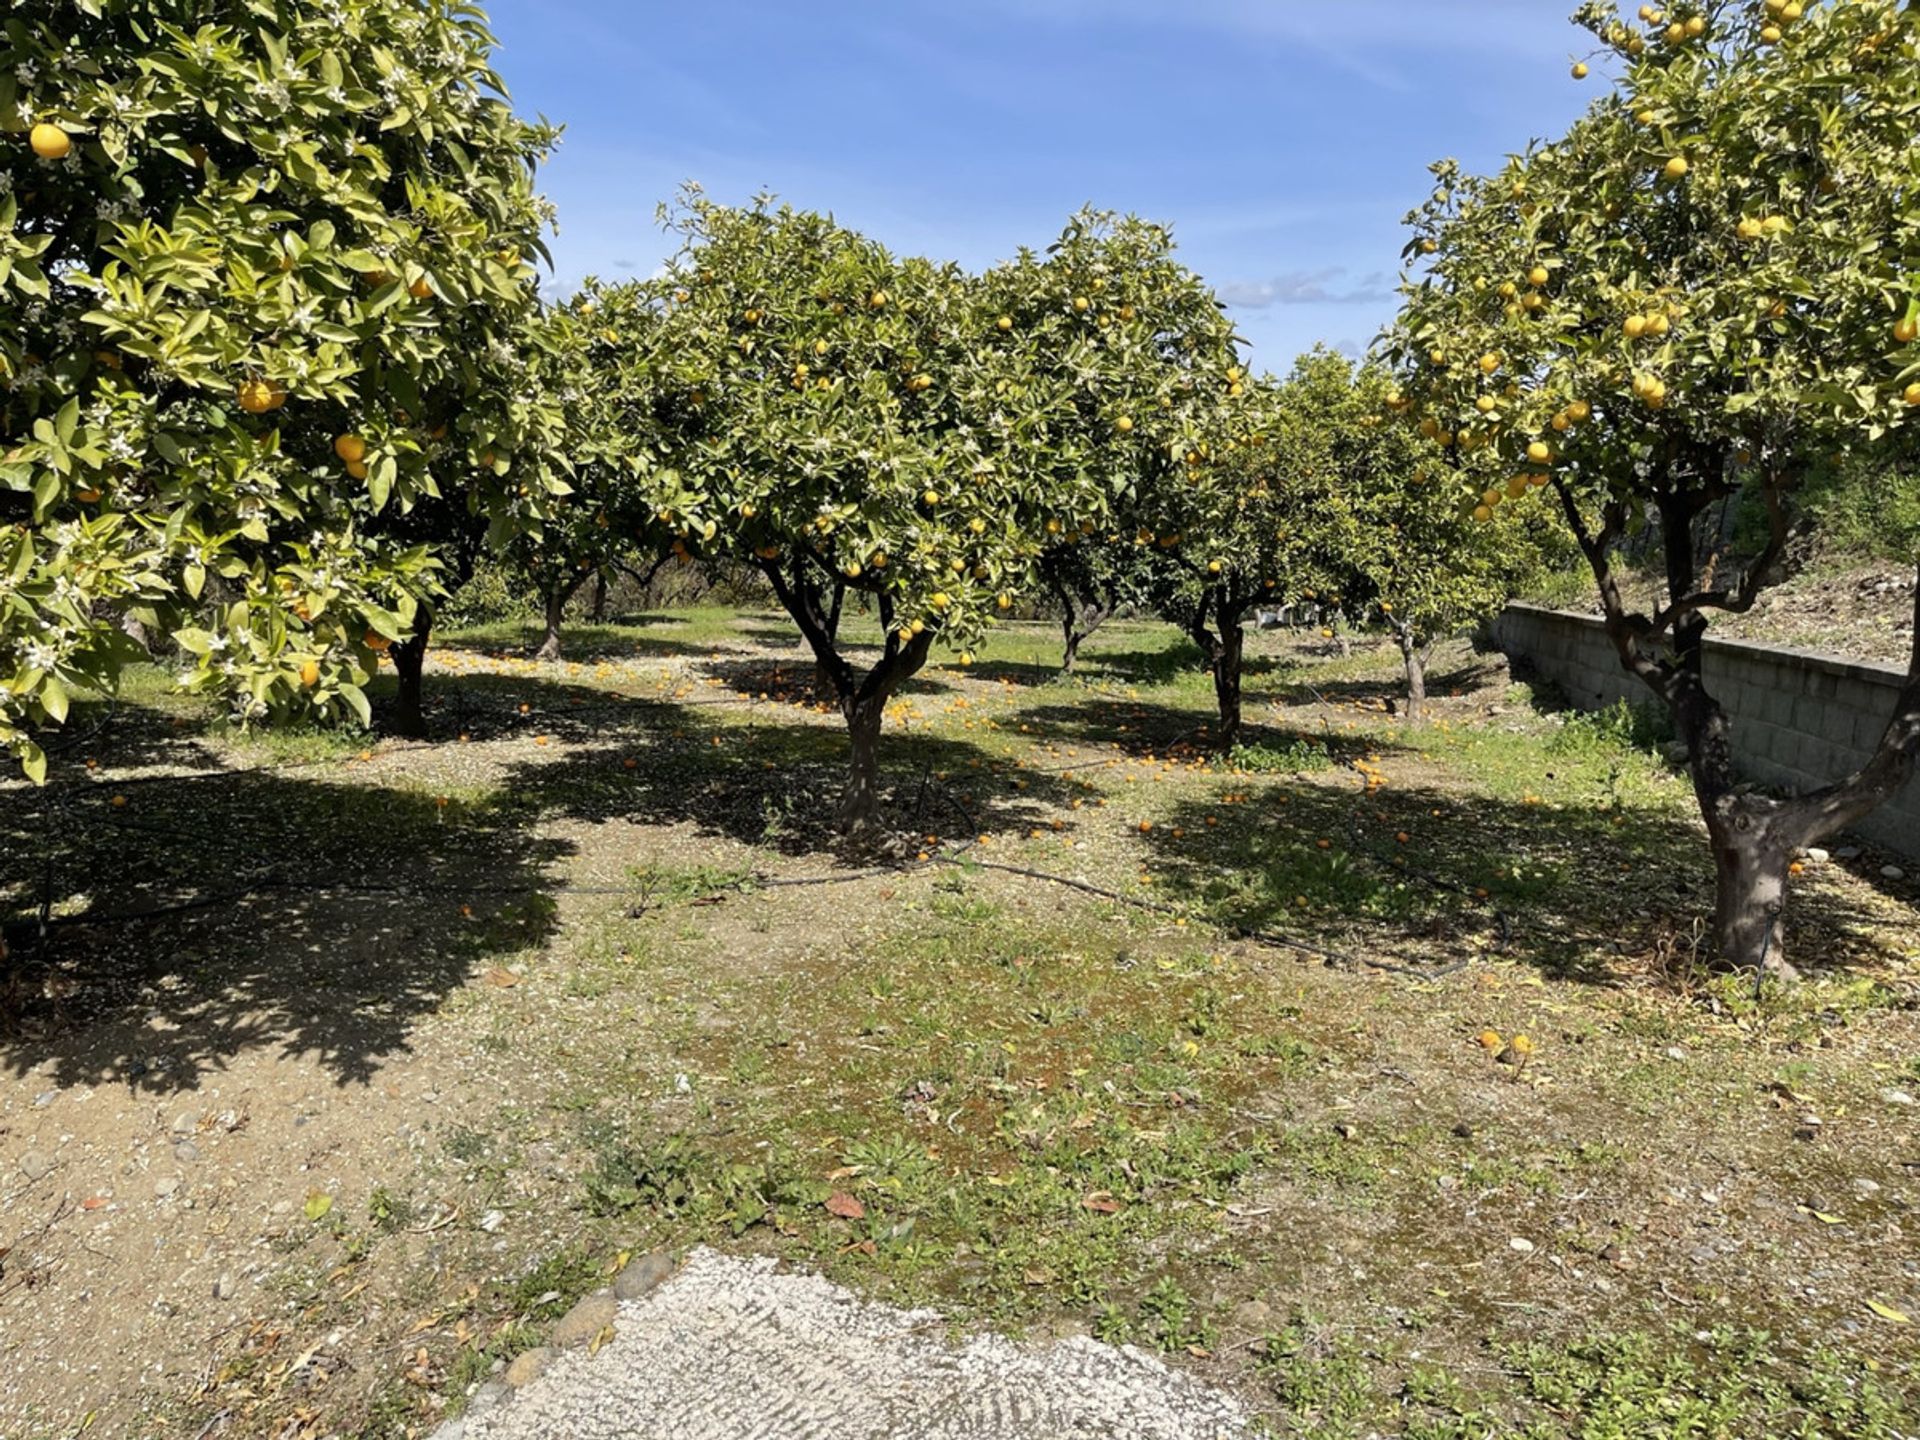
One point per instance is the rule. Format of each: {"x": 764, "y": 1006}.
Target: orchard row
{"x": 278, "y": 373}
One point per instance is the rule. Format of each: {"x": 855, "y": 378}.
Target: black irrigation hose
{"x": 1265, "y": 937}
{"x": 1399, "y": 866}
{"x": 74, "y": 742}
{"x": 953, "y": 858}
{"x": 1241, "y": 932}
{"x": 345, "y": 887}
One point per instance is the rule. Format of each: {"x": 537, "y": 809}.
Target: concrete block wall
{"x": 1800, "y": 720}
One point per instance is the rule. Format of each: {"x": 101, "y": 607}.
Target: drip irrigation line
{"x": 1242, "y": 932}
{"x": 1397, "y": 866}
{"x": 279, "y": 885}
{"x": 74, "y": 742}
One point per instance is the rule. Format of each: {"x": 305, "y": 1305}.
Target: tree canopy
{"x": 1705, "y": 286}
{"x": 263, "y": 274}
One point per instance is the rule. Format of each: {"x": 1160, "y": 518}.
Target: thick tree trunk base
{"x": 859, "y": 808}
{"x": 550, "y": 644}
{"x": 1750, "y": 895}
{"x": 1416, "y": 681}
{"x": 409, "y": 661}
{"x": 1226, "y": 687}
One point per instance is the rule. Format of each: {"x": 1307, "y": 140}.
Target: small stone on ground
{"x": 586, "y": 1320}
{"x": 643, "y": 1275}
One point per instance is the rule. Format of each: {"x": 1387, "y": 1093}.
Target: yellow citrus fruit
{"x": 1635, "y": 327}
{"x": 1124, "y": 424}
{"x": 1906, "y": 331}
{"x": 350, "y": 448}
{"x": 49, "y": 141}
{"x": 1539, "y": 452}
{"x": 1580, "y": 71}
{"x": 256, "y": 396}
{"x": 1677, "y": 168}
{"x": 310, "y": 674}
{"x": 1538, "y": 276}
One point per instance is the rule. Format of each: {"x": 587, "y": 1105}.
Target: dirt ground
{"x": 346, "y": 1066}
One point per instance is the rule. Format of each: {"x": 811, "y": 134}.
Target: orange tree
{"x": 895, "y": 428}
{"x": 593, "y": 357}
{"x": 261, "y": 277}
{"x": 1429, "y": 557}
{"x": 1252, "y": 515}
{"x": 1134, "y": 349}
{"x": 1705, "y": 288}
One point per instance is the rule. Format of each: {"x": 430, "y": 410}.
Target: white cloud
{"x": 1306, "y": 287}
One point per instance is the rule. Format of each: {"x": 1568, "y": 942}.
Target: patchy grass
{"x": 591, "y": 974}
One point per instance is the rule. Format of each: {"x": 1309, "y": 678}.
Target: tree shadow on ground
{"x": 588, "y": 644}
{"x": 792, "y": 680}
{"x": 1389, "y": 691}
{"x": 775, "y": 784}
{"x": 775, "y": 637}
{"x": 284, "y": 908}
{"x": 1024, "y": 674}
{"x": 1161, "y": 667}
{"x": 1143, "y": 727}
{"x": 1576, "y": 893}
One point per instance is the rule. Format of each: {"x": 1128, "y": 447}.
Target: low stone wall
{"x": 1800, "y": 720}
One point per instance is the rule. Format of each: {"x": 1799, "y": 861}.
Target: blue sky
{"x": 1284, "y": 141}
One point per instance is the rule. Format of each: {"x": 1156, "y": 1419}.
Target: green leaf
{"x": 356, "y": 698}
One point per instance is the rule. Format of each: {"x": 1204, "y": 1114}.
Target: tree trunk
{"x": 862, "y": 699}
{"x": 1084, "y": 616}
{"x": 134, "y": 630}
{"x": 824, "y": 689}
{"x": 1750, "y": 891}
{"x": 860, "y": 800}
{"x": 1416, "y": 664}
{"x": 1755, "y": 838}
{"x": 409, "y": 660}
{"x": 1228, "y": 652}
{"x": 599, "y": 598}
{"x": 556, "y": 614}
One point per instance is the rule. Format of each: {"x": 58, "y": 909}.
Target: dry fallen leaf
{"x": 845, "y": 1206}
{"x": 505, "y": 979}
{"x": 1101, "y": 1202}
{"x": 1887, "y": 1312}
